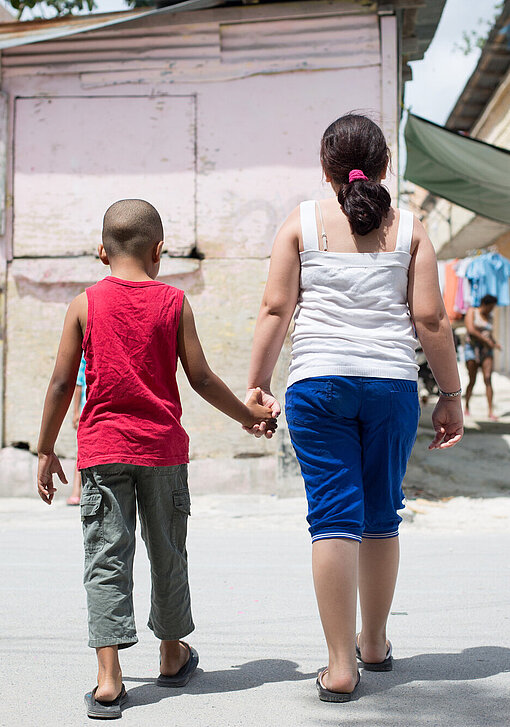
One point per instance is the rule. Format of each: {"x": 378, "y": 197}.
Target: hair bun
{"x": 365, "y": 203}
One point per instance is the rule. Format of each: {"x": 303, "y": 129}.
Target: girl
{"x": 479, "y": 349}
{"x": 364, "y": 278}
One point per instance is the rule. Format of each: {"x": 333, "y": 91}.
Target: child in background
{"x": 479, "y": 349}
{"x": 79, "y": 398}
{"x": 132, "y": 449}
{"x": 357, "y": 273}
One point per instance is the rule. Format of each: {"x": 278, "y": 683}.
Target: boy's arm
{"x": 206, "y": 383}
{"x": 58, "y": 397}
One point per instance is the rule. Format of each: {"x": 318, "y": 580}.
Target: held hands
{"x": 48, "y": 466}
{"x": 448, "y": 423}
{"x": 266, "y": 399}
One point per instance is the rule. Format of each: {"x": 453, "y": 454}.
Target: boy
{"x": 132, "y": 448}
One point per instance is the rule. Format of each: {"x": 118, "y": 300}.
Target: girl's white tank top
{"x": 352, "y": 317}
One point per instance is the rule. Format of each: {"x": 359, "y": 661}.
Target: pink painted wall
{"x": 218, "y": 124}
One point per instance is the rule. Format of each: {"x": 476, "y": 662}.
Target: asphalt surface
{"x": 258, "y": 632}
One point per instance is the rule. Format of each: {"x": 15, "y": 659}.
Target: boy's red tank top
{"x": 133, "y": 410}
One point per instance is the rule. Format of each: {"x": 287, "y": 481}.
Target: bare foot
{"x": 493, "y": 417}
{"x": 174, "y": 654}
{"x": 370, "y": 652}
{"x": 340, "y": 682}
{"x": 109, "y": 674}
{"x": 108, "y": 688}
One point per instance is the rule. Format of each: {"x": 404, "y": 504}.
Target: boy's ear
{"x": 156, "y": 251}
{"x": 102, "y": 254}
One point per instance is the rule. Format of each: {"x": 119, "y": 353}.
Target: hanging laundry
{"x": 489, "y": 275}
{"x": 450, "y": 290}
{"x": 463, "y": 294}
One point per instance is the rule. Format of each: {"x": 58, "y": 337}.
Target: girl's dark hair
{"x": 489, "y": 300}
{"x": 355, "y": 142}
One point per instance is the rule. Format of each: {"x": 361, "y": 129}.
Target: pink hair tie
{"x": 356, "y": 174}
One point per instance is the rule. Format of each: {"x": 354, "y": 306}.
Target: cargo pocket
{"x": 91, "y": 507}
{"x": 182, "y": 510}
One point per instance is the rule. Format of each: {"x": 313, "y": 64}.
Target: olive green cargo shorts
{"x": 110, "y": 494}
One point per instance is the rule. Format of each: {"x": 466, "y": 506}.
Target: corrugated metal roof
{"x": 493, "y": 65}
{"x": 419, "y": 23}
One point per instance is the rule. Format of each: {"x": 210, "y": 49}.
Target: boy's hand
{"x": 448, "y": 423}
{"x": 48, "y": 466}
{"x": 260, "y": 415}
{"x": 266, "y": 399}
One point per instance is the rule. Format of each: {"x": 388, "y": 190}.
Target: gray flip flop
{"x": 185, "y": 672}
{"x": 97, "y": 709}
{"x": 327, "y": 695}
{"x": 385, "y": 665}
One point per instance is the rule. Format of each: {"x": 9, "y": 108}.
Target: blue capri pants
{"x": 353, "y": 437}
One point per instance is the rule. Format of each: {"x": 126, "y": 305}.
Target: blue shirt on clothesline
{"x": 489, "y": 275}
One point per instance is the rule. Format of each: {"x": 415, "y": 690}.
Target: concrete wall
{"x": 218, "y": 123}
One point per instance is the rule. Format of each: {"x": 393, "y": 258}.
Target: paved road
{"x": 258, "y": 632}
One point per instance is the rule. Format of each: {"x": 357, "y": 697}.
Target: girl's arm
{"x": 436, "y": 337}
{"x": 58, "y": 397}
{"x": 278, "y": 305}
{"x": 207, "y": 384}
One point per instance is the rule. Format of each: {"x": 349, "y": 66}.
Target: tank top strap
{"x": 309, "y": 225}
{"x": 405, "y": 231}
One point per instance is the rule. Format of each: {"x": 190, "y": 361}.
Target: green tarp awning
{"x": 465, "y": 171}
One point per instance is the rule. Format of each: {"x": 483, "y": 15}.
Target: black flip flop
{"x": 185, "y": 672}
{"x": 327, "y": 695}
{"x": 98, "y": 709}
{"x": 385, "y": 665}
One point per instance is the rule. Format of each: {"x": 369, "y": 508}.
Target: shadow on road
{"x": 479, "y": 662}
{"x": 237, "y": 678}
{"x": 475, "y": 663}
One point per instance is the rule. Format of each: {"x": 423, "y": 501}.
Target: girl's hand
{"x": 48, "y": 466}
{"x": 448, "y": 423}
{"x": 260, "y": 415}
{"x": 267, "y": 399}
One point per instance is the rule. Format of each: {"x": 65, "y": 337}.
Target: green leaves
{"x": 60, "y": 7}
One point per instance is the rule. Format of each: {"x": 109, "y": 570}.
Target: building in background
{"x": 481, "y": 112}
{"x": 213, "y": 111}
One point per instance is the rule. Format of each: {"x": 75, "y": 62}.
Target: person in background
{"x": 80, "y": 397}
{"x": 479, "y": 349}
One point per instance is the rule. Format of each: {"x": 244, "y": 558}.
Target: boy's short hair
{"x": 130, "y": 227}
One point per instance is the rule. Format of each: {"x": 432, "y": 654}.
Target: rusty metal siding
{"x": 210, "y": 52}
{"x": 312, "y": 43}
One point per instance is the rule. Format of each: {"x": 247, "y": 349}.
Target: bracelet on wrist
{"x": 450, "y": 394}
